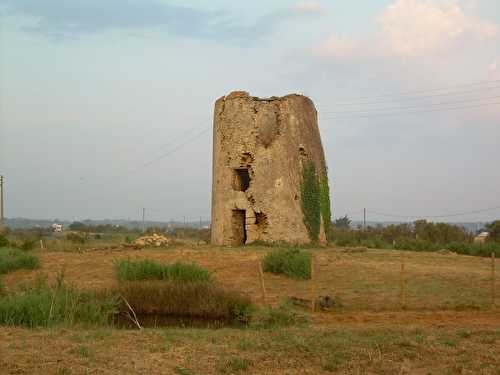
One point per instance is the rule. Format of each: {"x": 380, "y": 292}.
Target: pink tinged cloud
{"x": 309, "y": 7}
{"x": 412, "y": 29}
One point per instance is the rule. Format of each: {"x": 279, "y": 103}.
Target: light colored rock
{"x": 153, "y": 240}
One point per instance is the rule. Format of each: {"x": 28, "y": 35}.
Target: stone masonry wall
{"x": 259, "y": 149}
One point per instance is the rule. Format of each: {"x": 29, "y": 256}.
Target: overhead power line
{"x": 161, "y": 156}
{"x": 456, "y": 214}
{"x": 365, "y": 115}
{"x": 422, "y": 91}
{"x": 412, "y": 108}
{"x": 166, "y": 154}
{"x": 182, "y": 134}
{"x": 414, "y": 97}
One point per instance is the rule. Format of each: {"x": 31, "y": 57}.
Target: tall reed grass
{"x": 128, "y": 270}
{"x": 190, "y": 299}
{"x": 41, "y": 305}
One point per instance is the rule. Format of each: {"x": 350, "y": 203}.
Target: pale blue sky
{"x": 90, "y": 91}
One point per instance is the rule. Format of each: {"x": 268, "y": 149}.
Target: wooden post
{"x": 493, "y": 305}
{"x": 2, "y": 223}
{"x": 262, "y": 285}
{"x": 41, "y": 244}
{"x": 403, "y": 283}
{"x": 313, "y": 285}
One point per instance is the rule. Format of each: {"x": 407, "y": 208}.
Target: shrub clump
{"x": 76, "y": 238}
{"x": 14, "y": 259}
{"x": 27, "y": 245}
{"x": 192, "y": 299}
{"x": 293, "y": 263}
{"x": 40, "y": 305}
{"x": 128, "y": 270}
{"x": 4, "y": 242}
{"x": 282, "y": 316}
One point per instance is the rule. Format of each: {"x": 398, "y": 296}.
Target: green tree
{"x": 440, "y": 233}
{"x": 494, "y": 230}
{"x": 343, "y": 222}
{"x": 78, "y": 226}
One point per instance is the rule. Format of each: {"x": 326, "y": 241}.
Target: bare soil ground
{"x": 448, "y": 326}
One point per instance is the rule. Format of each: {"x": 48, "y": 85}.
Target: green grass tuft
{"x": 183, "y": 371}
{"x": 234, "y": 365}
{"x": 128, "y": 270}
{"x": 4, "y": 242}
{"x": 293, "y": 263}
{"x": 282, "y": 316}
{"x": 40, "y": 305}
{"x": 14, "y": 259}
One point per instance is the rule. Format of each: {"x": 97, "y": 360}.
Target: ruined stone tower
{"x": 269, "y": 172}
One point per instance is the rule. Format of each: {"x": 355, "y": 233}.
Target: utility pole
{"x": 184, "y": 221}
{"x": 200, "y": 223}
{"x": 1, "y": 204}
{"x": 143, "y": 218}
{"x": 364, "y": 218}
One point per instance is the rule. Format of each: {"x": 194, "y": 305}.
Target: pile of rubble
{"x": 153, "y": 240}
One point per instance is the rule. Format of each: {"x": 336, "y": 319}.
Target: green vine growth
{"x": 324, "y": 203}
{"x": 315, "y": 199}
{"x": 310, "y": 196}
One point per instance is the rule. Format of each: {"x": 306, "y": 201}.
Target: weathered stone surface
{"x": 260, "y": 147}
{"x": 153, "y": 240}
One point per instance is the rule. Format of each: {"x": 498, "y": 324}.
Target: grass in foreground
{"x": 128, "y": 270}
{"x": 40, "y": 305}
{"x": 14, "y": 259}
{"x": 294, "y": 350}
{"x": 293, "y": 263}
{"x": 192, "y": 299}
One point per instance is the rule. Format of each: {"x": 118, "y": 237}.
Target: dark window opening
{"x": 239, "y": 228}
{"x": 302, "y": 151}
{"x": 241, "y": 180}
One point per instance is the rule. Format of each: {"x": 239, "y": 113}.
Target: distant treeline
{"x": 99, "y": 228}
{"x": 420, "y": 235}
{"x": 22, "y": 223}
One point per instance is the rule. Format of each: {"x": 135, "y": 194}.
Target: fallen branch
{"x": 133, "y": 319}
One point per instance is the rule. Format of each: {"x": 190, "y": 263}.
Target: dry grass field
{"x": 447, "y": 328}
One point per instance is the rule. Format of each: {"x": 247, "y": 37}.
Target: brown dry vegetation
{"x": 447, "y": 328}
{"x": 362, "y": 281}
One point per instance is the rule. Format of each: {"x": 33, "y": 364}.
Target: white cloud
{"x": 340, "y": 47}
{"x": 414, "y": 28}
{"x": 494, "y": 69}
{"x": 309, "y": 7}
{"x": 418, "y": 27}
